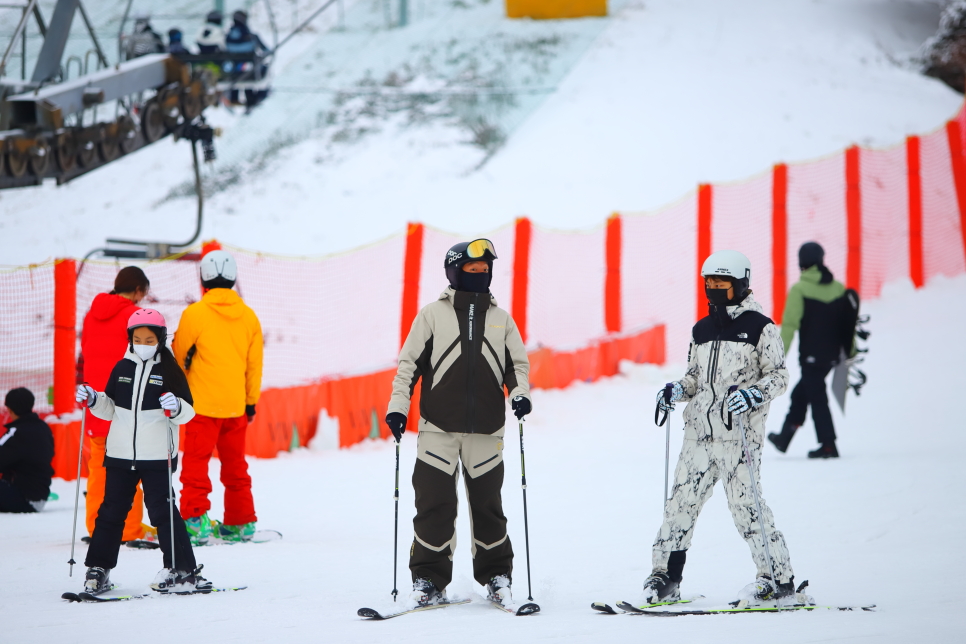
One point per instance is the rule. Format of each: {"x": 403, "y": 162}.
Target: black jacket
{"x": 26, "y": 451}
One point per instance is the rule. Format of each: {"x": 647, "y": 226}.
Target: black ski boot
{"x": 97, "y": 581}
{"x": 425, "y": 593}
{"x": 781, "y": 441}
{"x": 498, "y": 590}
{"x": 664, "y": 586}
{"x": 827, "y": 450}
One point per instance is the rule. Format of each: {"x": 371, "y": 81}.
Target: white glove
{"x": 86, "y": 394}
{"x": 677, "y": 393}
{"x": 171, "y": 403}
{"x": 744, "y": 399}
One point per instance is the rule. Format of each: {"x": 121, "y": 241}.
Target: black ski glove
{"x": 250, "y": 412}
{"x": 520, "y": 406}
{"x": 397, "y": 424}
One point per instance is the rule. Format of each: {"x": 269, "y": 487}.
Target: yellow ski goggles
{"x": 478, "y": 249}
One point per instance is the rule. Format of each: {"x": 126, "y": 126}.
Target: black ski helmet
{"x": 478, "y": 250}
{"x": 810, "y": 254}
{"x": 214, "y": 17}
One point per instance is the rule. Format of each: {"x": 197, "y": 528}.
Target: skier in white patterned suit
{"x": 735, "y": 345}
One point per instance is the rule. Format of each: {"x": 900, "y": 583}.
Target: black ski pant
{"x": 810, "y": 392}
{"x": 119, "y": 492}
{"x": 435, "y": 478}
{"x": 12, "y": 499}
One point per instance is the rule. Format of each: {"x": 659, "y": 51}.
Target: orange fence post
{"x": 953, "y": 133}
{"x": 704, "y": 242}
{"x": 411, "y": 269}
{"x": 612, "y": 279}
{"x": 915, "y": 210}
{"x": 65, "y": 335}
{"x": 779, "y": 240}
{"x": 853, "y": 212}
{"x": 521, "y": 275}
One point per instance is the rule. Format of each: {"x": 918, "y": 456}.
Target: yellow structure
{"x": 550, "y": 9}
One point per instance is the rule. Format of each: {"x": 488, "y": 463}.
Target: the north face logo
{"x": 743, "y": 336}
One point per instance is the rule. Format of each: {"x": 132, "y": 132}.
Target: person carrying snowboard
{"x": 735, "y": 345}
{"x": 219, "y": 342}
{"x": 811, "y": 309}
{"x": 466, "y": 350}
{"x": 146, "y": 398}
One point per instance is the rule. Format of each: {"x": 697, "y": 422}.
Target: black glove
{"x": 520, "y": 406}
{"x": 397, "y": 424}
{"x": 250, "y": 412}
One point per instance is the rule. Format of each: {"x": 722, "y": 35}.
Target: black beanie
{"x": 810, "y": 254}
{"x": 20, "y": 401}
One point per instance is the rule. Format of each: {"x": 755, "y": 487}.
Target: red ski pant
{"x": 202, "y": 435}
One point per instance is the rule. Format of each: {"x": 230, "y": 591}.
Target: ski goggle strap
{"x": 477, "y": 249}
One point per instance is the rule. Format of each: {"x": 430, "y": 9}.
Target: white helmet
{"x": 218, "y": 263}
{"x": 729, "y": 263}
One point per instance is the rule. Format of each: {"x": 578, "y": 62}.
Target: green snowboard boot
{"x": 234, "y": 533}
{"x": 199, "y": 530}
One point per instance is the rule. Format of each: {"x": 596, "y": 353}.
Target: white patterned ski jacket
{"x": 746, "y": 351}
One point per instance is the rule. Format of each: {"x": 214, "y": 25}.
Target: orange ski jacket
{"x": 219, "y": 344}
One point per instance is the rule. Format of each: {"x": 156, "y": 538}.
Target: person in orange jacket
{"x": 219, "y": 342}
{"x": 103, "y": 343}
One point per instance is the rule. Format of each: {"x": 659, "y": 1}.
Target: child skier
{"x": 466, "y": 350}
{"x": 734, "y": 345}
{"x": 146, "y": 398}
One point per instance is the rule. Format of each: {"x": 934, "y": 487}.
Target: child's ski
{"x": 752, "y": 609}
{"x": 630, "y": 608}
{"x": 524, "y": 609}
{"x": 96, "y": 599}
{"x": 372, "y": 614}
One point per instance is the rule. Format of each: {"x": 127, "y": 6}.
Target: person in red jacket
{"x": 103, "y": 344}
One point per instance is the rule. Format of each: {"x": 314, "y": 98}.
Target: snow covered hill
{"x": 881, "y": 525}
{"x": 369, "y": 129}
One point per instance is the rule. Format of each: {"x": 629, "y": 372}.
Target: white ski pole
{"x": 80, "y": 454}
{"x": 667, "y": 440}
{"x": 171, "y": 495}
{"x": 754, "y": 491}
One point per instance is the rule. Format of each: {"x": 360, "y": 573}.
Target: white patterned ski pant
{"x": 701, "y": 465}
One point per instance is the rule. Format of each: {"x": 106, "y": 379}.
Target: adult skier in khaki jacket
{"x": 735, "y": 345}
{"x": 466, "y": 350}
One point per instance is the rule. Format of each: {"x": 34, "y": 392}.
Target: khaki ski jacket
{"x": 138, "y": 438}
{"x": 466, "y": 350}
{"x": 745, "y": 350}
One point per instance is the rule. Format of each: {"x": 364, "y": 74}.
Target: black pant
{"x": 12, "y": 499}
{"x": 810, "y": 391}
{"x": 118, "y": 497}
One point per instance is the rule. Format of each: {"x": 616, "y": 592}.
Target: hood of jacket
{"x": 106, "y": 305}
{"x": 225, "y": 302}
{"x": 450, "y": 294}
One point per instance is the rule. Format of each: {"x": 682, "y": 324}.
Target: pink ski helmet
{"x": 149, "y": 318}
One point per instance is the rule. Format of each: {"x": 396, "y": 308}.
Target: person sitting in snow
{"x": 26, "y": 451}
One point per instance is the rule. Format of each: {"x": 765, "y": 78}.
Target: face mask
{"x": 475, "y": 282}
{"x": 145, "y": 351}
{"x": 717, "y": 296}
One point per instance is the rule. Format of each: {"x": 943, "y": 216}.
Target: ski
{"x": 630, "y": 608}
{"x": 603, "y": 608}
{"x": 95, "y": 599}
{"x": 374, "y": 615}
{"x": 524, "y": 609}
{"x": 754, "y": 609}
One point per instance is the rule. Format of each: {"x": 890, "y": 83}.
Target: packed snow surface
{"x": 881, "y": 525}
{"x": 367, "y": 127}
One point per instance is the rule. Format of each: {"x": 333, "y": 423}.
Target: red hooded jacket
{"x": 103, "y": 344}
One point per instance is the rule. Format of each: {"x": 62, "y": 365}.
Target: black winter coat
{"x": 26, "y": 451}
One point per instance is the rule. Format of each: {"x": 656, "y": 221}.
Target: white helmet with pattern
{"x": 730, "y": 264}
{"x": 218, "y": 264}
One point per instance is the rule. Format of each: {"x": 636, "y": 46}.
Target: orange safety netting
{"x": 633, "y": 293}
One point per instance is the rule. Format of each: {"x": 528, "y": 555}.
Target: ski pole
{"x": 754, "y": 492}
{"x": 668, "y": 388}
{"x": 80, "y": 454}
{"x": 526, "y": 529}
{"x": 395, "y": 535}
{"x": 171, "y": 492}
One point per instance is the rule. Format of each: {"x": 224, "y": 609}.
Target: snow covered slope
{"x": 669, "y": 93}
{"x": 881, "y": 525}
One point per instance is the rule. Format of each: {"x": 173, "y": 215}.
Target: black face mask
{"x": 475, "y": 282}
{"x": 717, "y": 296}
